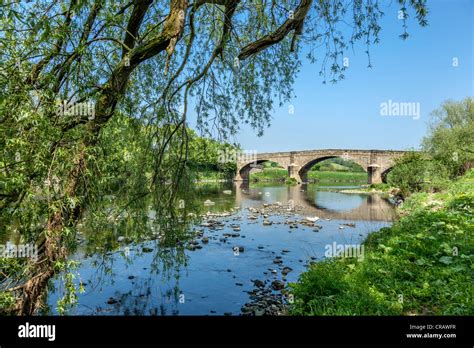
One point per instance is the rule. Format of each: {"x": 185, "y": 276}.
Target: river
{"x": 217, "y": 274}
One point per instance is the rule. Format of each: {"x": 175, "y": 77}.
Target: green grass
{"x": 338, "y": 176}
{"x": 422, "y": 264}
{"x": 291, "y": 181}
{"x": 280, "y": 174}
{"x": 211, "y": 175}
{"x": 270, "y": 174}
{"x": 380, "y": 187}
{"x": 332, "y": 167}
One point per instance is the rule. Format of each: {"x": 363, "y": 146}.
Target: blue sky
{"x": 347, "y": 114}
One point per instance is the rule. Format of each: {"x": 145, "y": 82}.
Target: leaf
{"x": 420, "y": 262}
{"x": 447, "y": 260}
{"x": 459, "y": 268}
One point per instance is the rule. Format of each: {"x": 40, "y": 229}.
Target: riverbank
{"x": 280, "y": 175}
{"x": 383, "y": 189}
{"x": 421, "y": 265}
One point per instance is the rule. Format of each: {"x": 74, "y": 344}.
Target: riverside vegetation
{"x": 120, "y": 147}
{"x": 424, "y": 262}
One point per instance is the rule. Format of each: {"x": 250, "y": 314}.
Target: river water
{"x": 215, "y": 278}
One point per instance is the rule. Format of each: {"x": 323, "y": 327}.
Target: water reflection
{"x": 148, "y": 278}
{"x": 322, "y": 203}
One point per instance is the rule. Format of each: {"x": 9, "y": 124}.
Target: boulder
{"x": 278, "y": 285}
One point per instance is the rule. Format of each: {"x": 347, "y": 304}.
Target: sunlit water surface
{"x": 214, "y": 280}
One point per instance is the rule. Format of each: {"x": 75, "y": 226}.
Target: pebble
{"x": 278, "y": 285}
{"x": 111, "y": 300}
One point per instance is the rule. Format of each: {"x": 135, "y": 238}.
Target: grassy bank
{"x": 383, "y": 189}
{"x": 422, "y": 264}
{"x": 279, "y": 174}
{"x": 212, "y": 176}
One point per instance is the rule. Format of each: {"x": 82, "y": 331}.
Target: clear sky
{"x": 347, "y": 114}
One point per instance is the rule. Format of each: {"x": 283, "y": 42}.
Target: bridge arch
{"x": 306, "y": 167}
{"x": 385, "y": 172}
{"x": 244, "y": 169}
{"x": 377, "y": 163}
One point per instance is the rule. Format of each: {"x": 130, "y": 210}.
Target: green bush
{"x": 415, "y": 172}
{"x": 450, "y": 139}
{"x": 422, "y": 264}
{"x": 380, "y": 187}
{"x": 271, "y": 174}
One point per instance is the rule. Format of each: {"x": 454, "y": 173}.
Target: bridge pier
{"x": 238, "y": 177}
{"x": 293, "y": 170}
{"x": 298, "y": 163}
{"x": 243, "y": 174}
{"x": 374, "y": 174}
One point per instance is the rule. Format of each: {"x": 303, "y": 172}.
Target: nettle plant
{"x": 143, "y": 64}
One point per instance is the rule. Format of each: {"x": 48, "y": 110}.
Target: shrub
{"x": 291, "y": 181}
{"x": 422, "y": 264}
{"x": 414, "y": 172}
{"x": 450, "y": 138}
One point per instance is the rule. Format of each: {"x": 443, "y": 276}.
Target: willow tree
{"x": 70, "y": 69}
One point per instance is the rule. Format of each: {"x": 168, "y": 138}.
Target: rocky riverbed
{"x": 269, "y": 296}
{"x": 239, "y": 258}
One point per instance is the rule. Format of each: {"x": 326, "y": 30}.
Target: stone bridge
{"x": 376, "y": 163}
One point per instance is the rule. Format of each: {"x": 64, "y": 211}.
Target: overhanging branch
{"x": 294, "y": 23}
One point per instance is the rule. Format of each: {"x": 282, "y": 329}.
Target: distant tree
{"x": 209, "y": 154}
{"x": 451, "y": 135}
